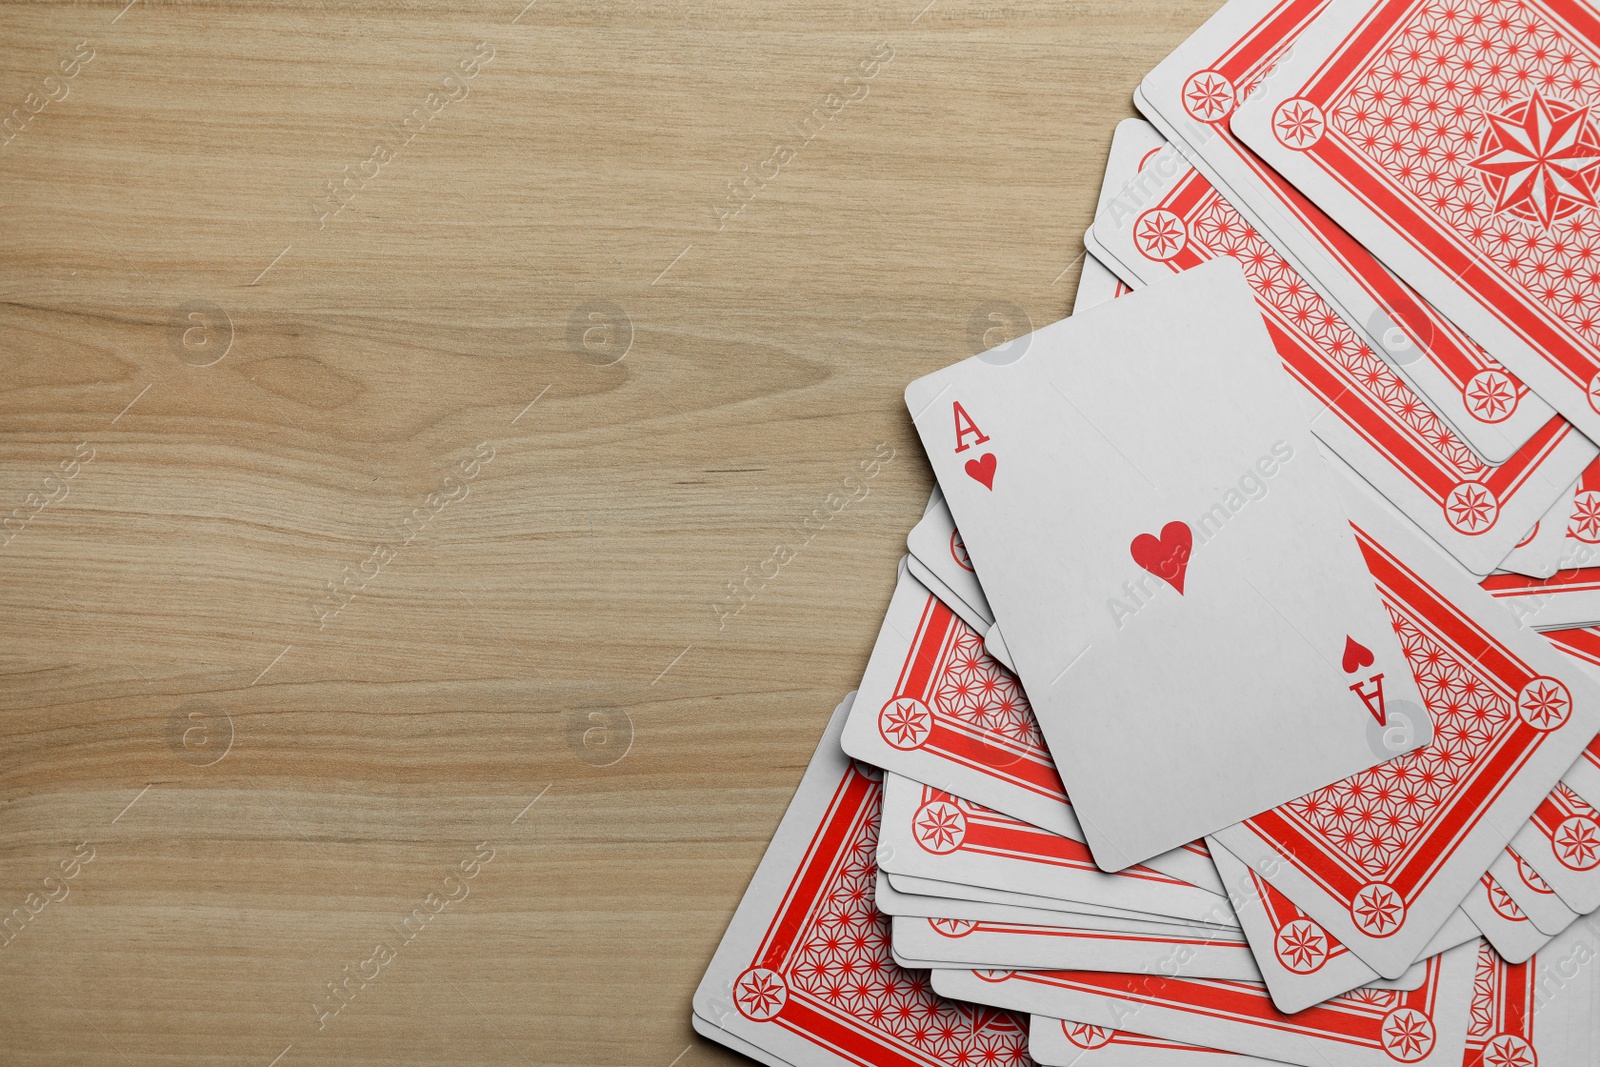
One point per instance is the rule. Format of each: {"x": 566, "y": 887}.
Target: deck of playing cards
{"x": 1235, "y": 698}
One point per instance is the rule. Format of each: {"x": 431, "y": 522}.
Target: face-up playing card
{"x": 804, "y": 970}
{"x": 1366, "y": 1028}
{"x": 1191, "y": 97}
{"x": 1300, "y": 962}
{"x": 1381, "y": 859}
{"x": 928, "y": 833}
{"x": 1538, "y": 554}
{"x": 934, "y": 706}
{"x": 1503, "y": 922}
{"x": 1531, "y": 893}
{"x": 1157, "y": 535}
{"x": 1570, "y": 597}
{"x": 1140, "y": 949}
{"x": 1455, "y": 140}
{"x": 937, "y": 543}
{"x": 1357, "y": 405}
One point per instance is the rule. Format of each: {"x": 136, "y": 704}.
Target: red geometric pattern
{"x": 974, "y": 687}
{"x": 1501, "y": 1023}
{"x": 1371, "y": 817}
{"x": 1501, "y": 901}
{"x": 1576, "y": 840}
{"x": 1221, "y": 230}
{"x": 1480, "y": 110}
{"x": 841, "y": 960}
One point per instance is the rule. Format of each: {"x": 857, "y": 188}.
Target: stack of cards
{"x": 1235, "y": 698}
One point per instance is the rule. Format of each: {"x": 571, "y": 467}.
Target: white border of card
{"x": 1048, "y": 414}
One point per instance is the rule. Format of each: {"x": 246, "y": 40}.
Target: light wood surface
{"x": 270, "y": 776}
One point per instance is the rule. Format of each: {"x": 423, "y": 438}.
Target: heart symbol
{"x": 1356, "y": 655}
{"x": 1167, "y": 556}
{"x": 982, "y": 469}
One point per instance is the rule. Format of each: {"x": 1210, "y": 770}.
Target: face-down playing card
{"x": 1365, "y": 1028}
{"x": 804, "y": 972}
{"x": 1178, "y": 585}
{"x": 1458, "y": 142}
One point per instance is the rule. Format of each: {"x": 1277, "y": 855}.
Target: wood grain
{"x": 268, "y": 785}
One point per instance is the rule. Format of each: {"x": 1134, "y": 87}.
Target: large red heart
{"x": 982, "y": 469}
{"x": 1167, "y": 556}
{"x": 1356, "y": 655}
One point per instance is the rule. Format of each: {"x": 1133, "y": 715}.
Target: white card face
{"x": 1157, "y": 535}
{"x": 1300, "y": 963}
{"x": 936, "y": 542}
{"x": 1149, "y": 949}
{"x": 1357, "y": 405}
{"x": 927, "y": 833}
{"x": 1510, "y": 715}
{"x": 1366, "y": 1028}
{"x": 1191, "y": 97}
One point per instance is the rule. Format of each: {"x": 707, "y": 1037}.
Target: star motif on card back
{"x": 1540, "y": 159}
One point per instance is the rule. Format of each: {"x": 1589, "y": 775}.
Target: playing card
{"x": 936, "y": 707}
{"x": 1531, "y": 893}
{"x": 1561, "y": 842}
{"x": 1137, "y": 948}
{"x": 1570, "y": 597}
{"x": 892, "y": 902}
{"x": 707, "y": 1029}
{"x": 938, "y": 588}
{"x": 1381, "y": 859}
{"x": 1541, "y": 1013}
{"x": 928, "y": 833}
{"x": 1358, "y": 407}
{"x": 1538, "y": 554}
{"x": 936, "y": 543}
{"x": 1156, "y": 533}
{"x": 995, "y": 642}
{"x": 1299, "y": 962}
{"x": 1191, "y": 96}
{"x": 1455, "y": 141}
{"x": 1096, "y": 285}
{"x": 1064, "y": 1043}
{"x": 804, "y": 971}
{"x": 942, "y": 894}
{"x": 1502, "y": 920}
{"x": 1366, "y": 1028}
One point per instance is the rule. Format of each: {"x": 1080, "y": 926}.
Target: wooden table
{"x": 391, "y": 393}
